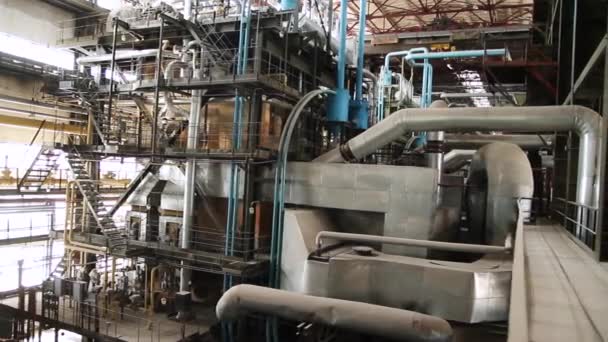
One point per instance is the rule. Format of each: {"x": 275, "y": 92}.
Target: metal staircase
{"x": 218, "y": 48}
{"x": 216, "y": 45}
{"x": 43, "y": 165}
{"x": 59, "y": 270}
{"x": 98, "y": 211}
{"x": 114, "y": 129}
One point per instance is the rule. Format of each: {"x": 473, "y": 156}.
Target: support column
{"x": 601, "y": 187}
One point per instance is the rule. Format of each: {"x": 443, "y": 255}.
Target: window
{"x": 24, "y": 48}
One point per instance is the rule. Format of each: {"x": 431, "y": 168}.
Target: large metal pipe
{"x": 171, "y": 110}
{"x": 436, "y": 245}
{"x": 585, "y": 122}
{"x": 187, "y": 9}
{"x": 342, "y": 48}
{"x": 374, "y": 79}
{"x": 476, "y": 141}
{"x": 190, "y": 174}
{"x": 456, "y": 159}
{"x": 360, "y": 50}
{"x": 499, "y": 175}
{"x": 382, "y": 321}
{"x": 434, "y": 157}
{"x": 120, "y": 55}
{"x": 308, "y": 24}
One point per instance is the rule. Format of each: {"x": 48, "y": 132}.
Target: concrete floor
{"x": 567, "y": 289}
{"x": 138, "y": 326}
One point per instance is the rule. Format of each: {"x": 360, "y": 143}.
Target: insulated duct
{"x": 499, "y": 175}
{"x": 171, "y": 110}
{"x": 456, "y": 159}
{"x": 436, "y": 245}
{"x": 434, "y": 145}
{"x": 476, "y": 141}
{"x": 583, "y": 121}
{"x": 401, "y": 325}
{"x": 120, "y": 55}
{"x": 308, "y": 24}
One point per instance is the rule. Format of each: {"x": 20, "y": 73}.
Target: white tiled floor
{"x": 567, "y": 289}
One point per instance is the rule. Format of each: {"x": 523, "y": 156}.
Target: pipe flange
{"x": 434, "y": 146}
{"x": 347, "y": 154}
{"x": 363, "y": 250}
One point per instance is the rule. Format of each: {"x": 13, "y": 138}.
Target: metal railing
{"x": 11, "y": 176}
{"x": 580, "y": 220}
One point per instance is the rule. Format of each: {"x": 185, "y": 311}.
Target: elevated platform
{"x": 566, "y": 290}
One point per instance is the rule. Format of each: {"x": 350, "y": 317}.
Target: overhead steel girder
{"x": 6, "y": 120}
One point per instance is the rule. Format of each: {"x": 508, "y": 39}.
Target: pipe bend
{"x": 580, "y": 120}
{"x": 176, "y": 64}
{"x": 402, "y": 325}
{"x": 586, "y": 121}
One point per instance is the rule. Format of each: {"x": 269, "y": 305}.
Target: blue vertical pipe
{"x": 427, "y": 73}
{"x": 425, "y": 80}
{"x": 361, "y": 49}
{"x": 342, "y": 49}
{"x": 429, "y": 89}
{"x": 241, "y": 66}
{"x": 233, "y": 196}
{"x": 386, "y": 76}
{"x": 337, "y": 110}
{"x": 289, "y": 5}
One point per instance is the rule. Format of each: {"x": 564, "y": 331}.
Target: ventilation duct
{"x": 583, "y": 121}
{"x": 401, "y": 325}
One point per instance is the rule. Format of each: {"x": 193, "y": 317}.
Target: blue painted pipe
{"x": 342, "y": 48}
{"x": 386, "y": 76}
{"x": 338, "y": 103}
{"x": 231, "y": 219}
{"x": 425, "y": 80}
{"x": 413, "y": 58}
{"x": 289, "y": 5}
{"x": 361, "y": 50}
{"x": 455, "y": 54}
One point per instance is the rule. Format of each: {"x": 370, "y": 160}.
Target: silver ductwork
{"x": 347, "y": 272}
{"x": 382, "y": 321}
{"x": 499, "y": 175}
{"x": 435, "y": 158}
{"x": 309, "y": 25}
{"x": 456, "y": 159}
{"x": 437, "y": 245}
{"x": 171, "y": 110}
{"x": 476, "y": 141}
{"x": 120, "y": 55}
{"x": 583, "y": 121}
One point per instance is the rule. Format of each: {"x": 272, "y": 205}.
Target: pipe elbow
{"x": 586, "y": 121}
{"x": 176, "y": 64}
{"x": 228, "y": 307}
{"x": 356, "y": 316}
{"x": 191, "y": 44}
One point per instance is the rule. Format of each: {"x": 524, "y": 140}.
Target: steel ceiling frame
{"x": 391, "y": 16}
